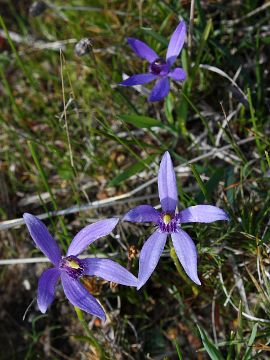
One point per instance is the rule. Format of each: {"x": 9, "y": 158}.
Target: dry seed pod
{"x": 37, "y": 8}
{"x": 83, "y": 47}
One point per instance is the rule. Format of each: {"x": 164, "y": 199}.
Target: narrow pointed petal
{"x": 203, "y": 214}
{"x": 167, "y": 186}
{"x": 178, "y": 74}
{"x": 46, "y": 288}
{"x": 176, "y": 43}
{"x": 150, "y": 254}
{"x": 142, "y": 213}
{"x": 43, "y": 239}
{"x": 138, "y": 79}
{"x": 142, "y": 50}
{"x": 80, "y": 297}
{"x": 110, "y": 271}
{"x": 160, "y": 90}
{"x": 89, "y": 234}
{"x": 187, "y": 254}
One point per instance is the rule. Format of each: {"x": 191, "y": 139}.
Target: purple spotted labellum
{"x": 70, "y": 268}
{"x": 159, "y": 69}
{"x": 169, "y": 222}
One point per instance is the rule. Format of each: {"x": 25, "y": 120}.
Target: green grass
{"x": 107, "y": 141}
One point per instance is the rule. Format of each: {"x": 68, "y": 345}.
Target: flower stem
{"x": 181, "y": 273}
{"x": 91, "y": 338}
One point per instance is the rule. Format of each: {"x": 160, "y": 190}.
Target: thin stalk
{"x": 16, "y": 108}
{"x": 181, "y": 273}
{"x": 91, "y": 337}
{"x": 65, "y": 111}
{"x": 47, "y": 186}
{"x": 200, "y": 182}
{"x": 204, "y": 121}
{"x": 255, "y": 128}
{"x": 191, "y": 22}
{"x": 13, "y": 48}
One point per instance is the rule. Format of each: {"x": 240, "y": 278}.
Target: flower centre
{"x": 72, "y": 266}
{"x": 167, "y": 218}
{"x": 159, "y": 67}
{"x": 168, "y": 223}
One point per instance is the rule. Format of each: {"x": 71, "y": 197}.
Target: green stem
{"x": 255, "y": 129}
{"x": 91, "y": 337}
{"x": 17, "y": 56}
{"x": 47, "y": 187}
{"x": 200, "y": 182}
{"x": 181, "y": 273}
{"x": 204, "y": 121}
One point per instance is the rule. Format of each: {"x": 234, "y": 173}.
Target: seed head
{"x": 83, "y": 47}
{"x": 37, "y": 8}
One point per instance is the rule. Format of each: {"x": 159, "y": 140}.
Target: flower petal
{"x": 160, "y": 90}
{"x": 110, "y": 271}
{"x": 187, "y": 254}
{"x": 43, "y": 239}
{"x": 46, "y": 288}
{"x": 167, "y": 187}
{"x": 142, "y": 213}
{"x": 80, "y": 297}
{"x": 150, "y": 254}
{"x": 176, "y": 43}
{"x": 89, "y": 234}
{"x": 202, "y": 213}
{"x": 178, "y": 74}
{"x": 138, "y": 79}
{"x": 142, "y": 50}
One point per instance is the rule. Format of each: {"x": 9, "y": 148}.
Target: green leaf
{"x": 169, "y": 109}
{"x": 250, "y": 342}
{"x": 210, "y": 348}
{"x": 230, "y": 180}
{"x": 141, "y": 121}
{"x": 201, "y": 13}
{"x": 154, "y": 341}
{"x": 211, "y": 184}
{"x": 239, "y": 332}
{"x": 200, "y": 182}
{"x": 180, "y": 357}
{"x": 161, "y": 39}
{"x": 131, "y": 170}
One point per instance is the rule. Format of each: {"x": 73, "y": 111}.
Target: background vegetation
{"x": 75, "y": 144}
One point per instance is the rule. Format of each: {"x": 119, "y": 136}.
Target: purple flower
{"x": 159, "y": 68}
{"x": 169, "y": 222}
{"x": 70, "y": 268}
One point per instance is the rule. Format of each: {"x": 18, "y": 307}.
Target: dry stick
{"x": 250, "y": 14}
{"x": 124, "y": 198}
{"x": 37, "y": 44}
{"x": 225, "y": 123}
{"x": 239, "y": 284}
{"x": 191, "y": 22}
{"x": 140, "y": 5}
{"x": 223, "y": 74}
{"x": 44, "y": 259}
{"x": 65, "y": 112}
{"x": 213, "y": 317}
{"x": 87, "y": 8}
{"x": 115, "y": 200}
{"x": 34, "y": 44}
{"x": 231, "y": 115}
{"x": 250, "y": 317}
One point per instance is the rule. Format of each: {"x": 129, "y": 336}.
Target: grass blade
{"x": 210, "y": 348}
